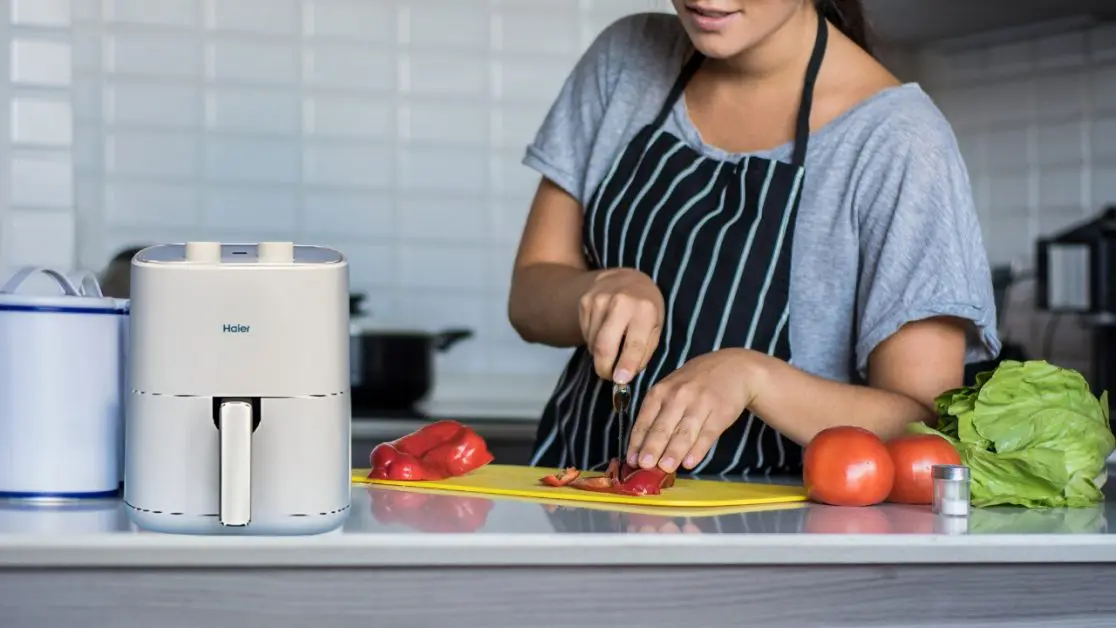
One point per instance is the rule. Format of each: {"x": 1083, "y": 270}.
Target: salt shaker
{"x": 951, "y": 490}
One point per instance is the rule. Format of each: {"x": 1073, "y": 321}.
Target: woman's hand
{"x": 684, "y": 414}
{"x": 622, "y": 305}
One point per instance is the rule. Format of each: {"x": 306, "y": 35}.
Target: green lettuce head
{"x": 1031, "y": 433}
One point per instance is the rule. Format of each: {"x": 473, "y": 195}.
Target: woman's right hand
{"x": 625, "y": 306}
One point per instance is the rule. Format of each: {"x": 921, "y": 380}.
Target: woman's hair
{"x": 848, "y": 17}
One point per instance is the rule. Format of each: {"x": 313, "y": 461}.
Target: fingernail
{"x": 647, "y": 461}
{"x": 622, "y": 377}
{"x": 689, "y": 462}
{"x": 667, "y": 464}
{"x": 632, "y": 460}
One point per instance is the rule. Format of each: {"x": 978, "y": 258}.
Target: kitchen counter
{"x": 405, "y": 558}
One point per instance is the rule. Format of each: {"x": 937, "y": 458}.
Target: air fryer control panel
{"x": 218, "y": 253}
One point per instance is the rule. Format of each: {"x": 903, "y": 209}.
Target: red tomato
{"x": 847, "y": 466}
{"x": 913, "y": 456}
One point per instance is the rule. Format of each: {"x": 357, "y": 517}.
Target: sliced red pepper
{"x": 562, "y": 477}
{"x": 631, "y": 480}
{"x": 598, "y": 484}
{"x": 430, "y": 513}
{"x": 435, "y": 452}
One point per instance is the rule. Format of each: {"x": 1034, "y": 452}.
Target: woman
{"x": 745, "y": 217}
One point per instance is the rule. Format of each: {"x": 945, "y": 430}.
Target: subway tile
{"x": 255, "y": 62}
{"x": 447, "y": 217}
{"x": 245, "y": 109}
{"x": 371, "y": 265}
{"x": 1103, "y": 88}
{"x": 89, "y": 149}
{"x": 510, "y": 177}
{"x": 274, "y": 17}
{"x": 344, "y": 66}
{"x": 515, "y": 127}
{"x": 442, "y": 266}
{"x": 1011, "y": 101}
{"x": 49, "y": 13}
{"x": 181, "y": 13}
{"x": 1061, "y": 51}
{"x": 434, "y": 24}
{"x": 445, "y": 74}
{"x": 538, "y": 31}
{"x": 532, "y": 80}
{"x": 46, "y": 63}
{"x": 1008, "y": 149}
{"x": 88, "y": 51}
{"x": 1060, "y": 188}
{"x": 527, "y": 359}
{"x": 1104, "y": 185}
{"x": 1011, "y": 59}
{"x": 42, "y": 181}
{"x": 1061, "y": 144}
{"x": 41, "y": 121}
{"x": 501, "y": 262}
{"x": 443, "y": 169}
{"x": 40, "y": 238}
{"x": 246, "y": 208}
{"x": 161, "y": 154}
{"x": 351, "y": 19}
{"x": 1060, "y": 95}
{"x": 162, "y": 55}
{"x": 350, "y": 213}
{"x": 349, "y": 165}
{"x": 153, "y": 105}
{"x": 151, "y": 203}
{"x": 1009, "y": 192}
{"x": 511, "y": 217}
{"x": 1051, "y": 220}
{"x": 1103, "y": 138}
{"x": 445, "y": 121}
{"x": 251, "y": 160}
{"x": 340, "y": 116}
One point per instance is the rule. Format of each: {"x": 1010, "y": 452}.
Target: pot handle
{"x": 24, "y": 273}
{"x": 444, "y": 340}
{"x": 86, "y": 284}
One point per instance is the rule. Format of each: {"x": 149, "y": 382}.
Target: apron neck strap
{"x": 802, "y": 122}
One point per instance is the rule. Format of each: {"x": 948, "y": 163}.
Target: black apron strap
{"x": 802, "y": 122}
{"x": 688, "y": 72}
{"x": 802, "y": 125}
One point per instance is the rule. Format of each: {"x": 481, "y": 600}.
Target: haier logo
{"x": 236, "y": 329}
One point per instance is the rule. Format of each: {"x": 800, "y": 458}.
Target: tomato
{"x": 847, "y": 466}
{"x": 913, "y": 456}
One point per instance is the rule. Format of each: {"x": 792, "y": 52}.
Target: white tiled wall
{"x": 391, "y": 129}
{"x": 37, "y": 217}
{"x": 1037, "y": 124}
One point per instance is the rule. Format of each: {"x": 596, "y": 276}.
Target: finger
{"x": 637, "y": 344}
{"x": 705, "y": 440}
{"x": 683, "y": 439}
{"x": 652, "y": 403}
{"x": 652, "y": 344}
{"x": 597, "y": 310}
{"x": 606, "y": 346}
{"x": 660, "y": 433}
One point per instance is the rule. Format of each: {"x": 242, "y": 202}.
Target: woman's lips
{"x": 711, "y": 20}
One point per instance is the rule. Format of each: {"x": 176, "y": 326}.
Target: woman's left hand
{"x": 683, "y": 415}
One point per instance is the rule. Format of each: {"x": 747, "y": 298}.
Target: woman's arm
{"x": 550, "y": 275}
{"x": 905, "y": 374}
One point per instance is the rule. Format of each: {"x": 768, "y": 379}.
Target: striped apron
{"x": 716, "y": 238}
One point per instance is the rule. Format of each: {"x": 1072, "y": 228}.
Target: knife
{"x": 621, "y": 399}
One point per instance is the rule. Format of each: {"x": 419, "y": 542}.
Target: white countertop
{"x": 391, "y": 528}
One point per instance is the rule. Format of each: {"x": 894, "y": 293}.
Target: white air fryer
{"x": 238, "y": 419}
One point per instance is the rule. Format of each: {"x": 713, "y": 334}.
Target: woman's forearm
{"x": 544, "y": 301}
{"x": 799, "y": 405}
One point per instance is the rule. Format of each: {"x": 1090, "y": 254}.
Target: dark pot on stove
{"x": 392, "y": 369}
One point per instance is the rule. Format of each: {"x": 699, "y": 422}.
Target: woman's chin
{"x": 715, "y": 46}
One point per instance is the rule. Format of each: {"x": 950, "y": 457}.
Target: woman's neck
{"x": 781, "y": 55}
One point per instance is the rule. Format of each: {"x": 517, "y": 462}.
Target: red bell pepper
{"x": 437, "y": 451}
{"x": 562, "y": 477}
{"x": 619, "y": 478}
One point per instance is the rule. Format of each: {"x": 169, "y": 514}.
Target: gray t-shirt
{"x": 886, "y": 234}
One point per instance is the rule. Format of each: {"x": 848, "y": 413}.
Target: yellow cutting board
{"x": 517, "y": 481}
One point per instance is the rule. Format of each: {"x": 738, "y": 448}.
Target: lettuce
{"x": 1031, "y": 433}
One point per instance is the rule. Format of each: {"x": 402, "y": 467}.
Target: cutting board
{"x": 517, "y": 481}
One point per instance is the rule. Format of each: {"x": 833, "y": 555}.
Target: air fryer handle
{"x": 234, "y": 421}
